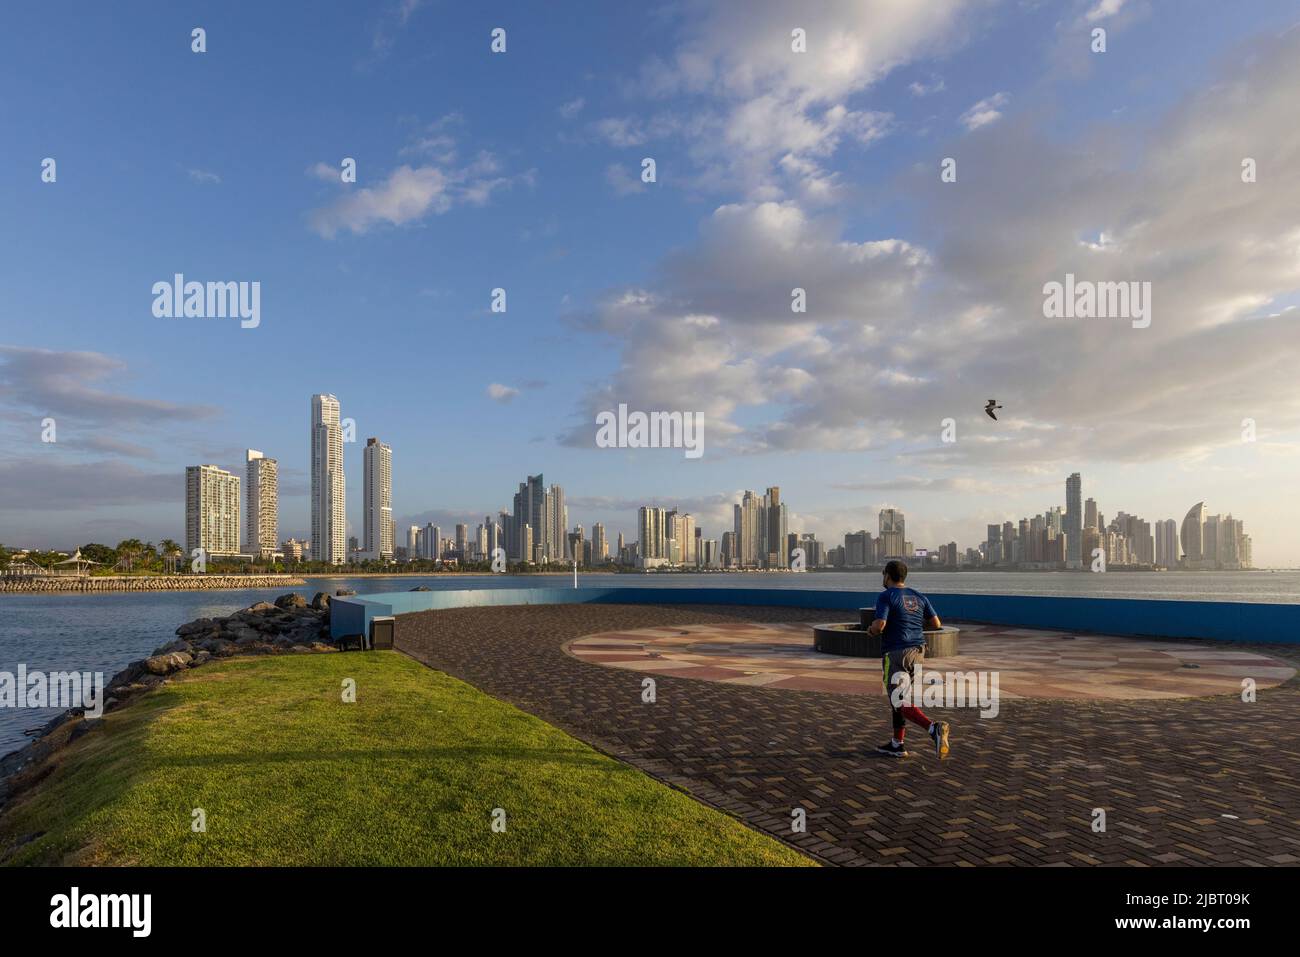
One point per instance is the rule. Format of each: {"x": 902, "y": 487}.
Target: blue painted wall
{"x": 1223, "y": 621}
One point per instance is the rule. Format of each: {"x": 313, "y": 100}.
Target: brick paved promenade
{"x": 1183, "y": 781}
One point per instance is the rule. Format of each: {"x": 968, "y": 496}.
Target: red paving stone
{"x": 1029, "y": 662}
{"x": 1199, "y": 780}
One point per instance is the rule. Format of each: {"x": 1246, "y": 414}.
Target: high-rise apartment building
{"x": 261, "y": 504}
{"x": 599, "y": 545}
{"x": 651, "y": 532}
{"x": 1074, "y": 521}
{"x": 1167, "y": 543}
{"x": 328, "y": 505}
{"x": 377, "y": 502}
{"x": 211, "y": 510}
{"x": 777, "y": 555}
{"x": 893, "y": 534}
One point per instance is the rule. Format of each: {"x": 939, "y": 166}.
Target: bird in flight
{"x": 993, "y": 404}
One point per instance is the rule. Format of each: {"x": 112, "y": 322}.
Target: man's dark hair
{"x": 896, "y": 571}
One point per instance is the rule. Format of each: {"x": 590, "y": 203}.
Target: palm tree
{"x": 128, "y": 550}
{"x": 170, "y": 552}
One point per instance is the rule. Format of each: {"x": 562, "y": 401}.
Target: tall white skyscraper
{"x": 329, "y": 519}
{"x": 651, "y": 524}
{"x": 377, "y": 501}
{"x": 261, "y": 504}
{"x": 211, "y": 510}
{"x": 1074, "y": 521}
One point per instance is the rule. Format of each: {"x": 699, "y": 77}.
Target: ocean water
{"x": 103, "y": 632}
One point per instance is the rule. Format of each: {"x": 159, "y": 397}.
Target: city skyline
{"x": 923, "y": 296}
{"x": 1072, "y": 537}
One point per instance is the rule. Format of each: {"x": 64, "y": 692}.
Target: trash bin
{"x": 381, "y": 632}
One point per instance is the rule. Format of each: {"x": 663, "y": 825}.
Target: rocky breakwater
{"x": 95, "y": 583}
{"x": 289, "y": 625}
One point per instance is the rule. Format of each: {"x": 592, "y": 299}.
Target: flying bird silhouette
{"x": 990, "y": 407}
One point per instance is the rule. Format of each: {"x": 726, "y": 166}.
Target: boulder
{"x": 321, "y": 601}
{"x": 166, "y": 664}
{"x": 291, "y": 602}
{"x": 180, "y": 644}
{"x": 344, "y": 592}
{"x": 421, "y": 588}
{"x": 128, "y": 675}
{"x": 218, "y": 647}
{"x": 262, "y": 606}
{"x": 197, "y": 626}
{"x": 238, "y": 631}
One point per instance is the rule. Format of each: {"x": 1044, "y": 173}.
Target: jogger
{"x": 901, "y": 616}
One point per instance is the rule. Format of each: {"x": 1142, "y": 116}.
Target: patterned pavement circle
{"x": 1206, "y": 781}
{"x": 1030, "y": 663}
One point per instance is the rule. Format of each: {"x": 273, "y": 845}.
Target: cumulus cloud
{"x": 410, "y": 194}
{"x": 903, "y": 332}
{"x": 768, "y": 119}
{"x": 501, "y": 393}
{"x": 986, "y": 111}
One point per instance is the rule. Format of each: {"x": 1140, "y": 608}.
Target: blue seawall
{"x": 1221, "y": 621}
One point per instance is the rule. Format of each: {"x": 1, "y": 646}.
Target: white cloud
{"x": 572, "y": 108}
{"x": 1103, "y": 9}
{"x": 501, "y": 393}
{"x": 901, "y": 334}
{"x": 920, "y": 88}
{"x": 985, "y": 111}
{"x": 769, "y": 119}
{"x": 623, "y": 179}
{"x": 203, "y": 176}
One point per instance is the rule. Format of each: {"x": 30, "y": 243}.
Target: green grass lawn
{"x": 408, "y": 775}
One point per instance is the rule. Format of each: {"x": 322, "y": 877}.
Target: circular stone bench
{"x": 851, "y": 639}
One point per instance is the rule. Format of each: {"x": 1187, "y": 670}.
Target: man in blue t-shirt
{"x": 902, "y": 615}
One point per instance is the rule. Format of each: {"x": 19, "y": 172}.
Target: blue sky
{"x": 519, "y": 170}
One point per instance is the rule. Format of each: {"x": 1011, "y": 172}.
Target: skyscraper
{"x": 893, "y": 533}
{"x": 329, "y": 520}
{"x": 262, "y": 504}
{"x": 1193, "y": 536}
{"x": 749, "y": 531}
{"x": 599, "y": 545}
{"x": 1074, "y": 521}
{"x": 211, "y": 510}
{"x": 777, "y": 556}
{"x": 1167, "y": 543}
{"x": 377, "y": 502}
{"x": 544, "y": 510}
{"x": 651, "y": 531}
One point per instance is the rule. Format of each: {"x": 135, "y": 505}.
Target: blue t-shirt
{"x": 904, "y": 611}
